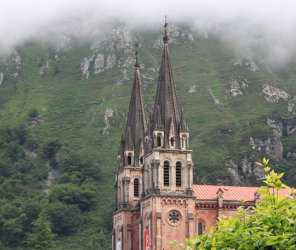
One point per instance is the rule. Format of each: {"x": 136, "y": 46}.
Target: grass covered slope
{"x": 73, "y": 122}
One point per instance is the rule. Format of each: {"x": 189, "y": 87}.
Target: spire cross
{"x": 166, "y": 37}
{"x": 136, "y": 64}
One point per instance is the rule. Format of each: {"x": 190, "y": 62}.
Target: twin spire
{"x": 165, "y": 116}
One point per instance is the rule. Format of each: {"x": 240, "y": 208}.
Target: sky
{"x": 242, "y": 24}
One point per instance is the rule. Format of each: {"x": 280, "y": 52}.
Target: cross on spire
{"x": 136, "y": 64}
{"x": 166, "y": 37}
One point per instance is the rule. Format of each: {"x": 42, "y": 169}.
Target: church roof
{"x": 233, "y": 193}
{"x": 166, "y": 98}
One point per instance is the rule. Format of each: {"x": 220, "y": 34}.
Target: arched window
{"x": 178, "y": 174}
{"x": 172, "y": 142}
{"x": 129, "y": 160}
{"x": 166, "y": 173}
{"x": 141, "y": 160}
{"x": 158, "y": 140}
{"x": 136, "y": 188}
{"x": 199, "y": 228}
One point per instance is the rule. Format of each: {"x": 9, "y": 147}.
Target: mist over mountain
{"x": 244, "y": 25}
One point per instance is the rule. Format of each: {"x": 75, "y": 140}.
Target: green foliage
{"x": 269, "y": 225}
{"x": 97, "y": 241}
{"x": 85, "y": 196}
{"x": 33, "y": 113}
{"x": 75, "y": 166}
{"x": 42, "y": 237}
{"x": 11, "y": 220}
{"x": 65, "y": 219}
{"x": 51, "y": 148}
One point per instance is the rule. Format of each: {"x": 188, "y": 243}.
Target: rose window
{"x": 174, "y": 217}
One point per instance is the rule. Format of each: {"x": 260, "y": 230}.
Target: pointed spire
{"x": 183, "y": 126}
{"x": 166, "y": 97}
{"x": 136, "y": 126}
{"x": 158, "y": 119}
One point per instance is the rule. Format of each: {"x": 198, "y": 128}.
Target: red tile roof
{"x": 209, "y": 192}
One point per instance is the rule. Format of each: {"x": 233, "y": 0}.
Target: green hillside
{"x": 55, "y": 119}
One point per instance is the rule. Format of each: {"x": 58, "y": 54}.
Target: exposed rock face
{"x": 274, "y": 94}
{"x": 277, "y": 127}
{"x": 250, "y": 64}
{"x": 84, "y": 66}
{"x": 52, "y": 175}
{"x": 192, "y": 89}
{"x": 118, "y": 83}
{"x": 244, "y": 167}
{"x": 173, "y": 33}
{"x": 99, "y": 64}
{"x": 236, "y": 88}
{"x": 108, "y": 113}
{"x": 111, "y": 61}
{"x": 126, "y": 62}
{"x": 118, "y": 39}
{"x": 152, "y": 69}
{"x": 16, "y": 57}
{"x": 159, "y": 42}
{"x": 43, "y": 67}
{"x": 215, "y": 100}
{"x": 291, "y": 107}
{"x": 147, "y": 78}
{"x": 272, "y": 145}
{"x": 15, "y": 75}
{"x": 236, "y": 177}
{"x": 1, "y": 78}
{"x": 291, "y": 155}
{"x": 290, "y": 129}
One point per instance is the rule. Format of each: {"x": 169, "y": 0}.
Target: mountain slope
{"x": 238, "y": 110}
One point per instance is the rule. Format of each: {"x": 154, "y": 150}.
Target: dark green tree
{"x": 42, "y": 237}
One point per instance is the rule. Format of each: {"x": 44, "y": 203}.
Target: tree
{"x": 65, "y": 219}
{"x": 271, "y": 224}
{"x": 42, "y": 237}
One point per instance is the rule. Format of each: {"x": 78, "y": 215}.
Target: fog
{"x": 241, "y": 24}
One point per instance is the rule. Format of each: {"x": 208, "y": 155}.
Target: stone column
{"x": 158, "y": 232}
{"x": 189, "y": 190}
{"x": 157, "y": 163}
{"x": 143, "y": 182}
{"x": 127, "y": 191}
{"x": 123, "y": 192}
{"x": 173, "y": 177}
{"x": 191, "y": 225}
{"x": 116, "y": 198}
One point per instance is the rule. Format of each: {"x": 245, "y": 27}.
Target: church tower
{"x": 129, "y": 176}
{"x": 167, "y": 201}
{"x": 154, "y": 201}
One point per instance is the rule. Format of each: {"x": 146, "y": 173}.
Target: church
{"x": 155, "y": 199}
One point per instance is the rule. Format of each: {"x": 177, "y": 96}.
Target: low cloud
{"x": 241, "y": 24}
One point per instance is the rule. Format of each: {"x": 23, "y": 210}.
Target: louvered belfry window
{"x": 136, "y": 188}
{"x": 166, "y": 173}
{"x": 178, "y": 174}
